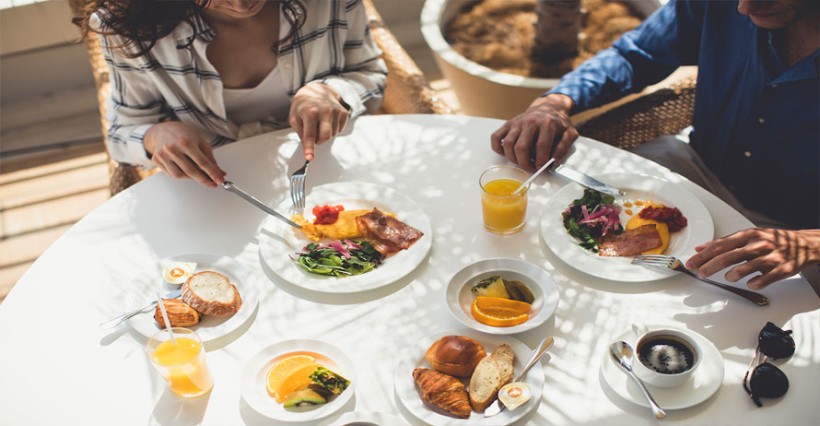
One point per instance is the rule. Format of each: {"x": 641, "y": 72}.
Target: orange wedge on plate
{"x": 290, "y": 374}
{"x": 500, "y": 312}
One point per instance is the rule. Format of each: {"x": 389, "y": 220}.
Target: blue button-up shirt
{"x": 756, "y": 122}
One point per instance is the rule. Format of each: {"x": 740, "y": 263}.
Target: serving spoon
{"x": 623, "y": 354}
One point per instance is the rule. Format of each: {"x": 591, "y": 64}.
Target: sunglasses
{"x": 766, "y": 380}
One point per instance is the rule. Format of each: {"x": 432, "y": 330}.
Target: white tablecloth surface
{"x": 57, "y": 368}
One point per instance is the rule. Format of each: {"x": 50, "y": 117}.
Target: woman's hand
{"x": 181, "y": 151}
{"x": 317, "y": 115}
{"x": 775, "y": 253}
{"x": 546, "y": 122}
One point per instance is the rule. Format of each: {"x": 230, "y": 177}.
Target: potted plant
{"x": 487, "y": 92}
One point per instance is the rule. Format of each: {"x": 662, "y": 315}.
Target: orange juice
{"x": 504, "y": 212}
{"x": 183, "y": 365}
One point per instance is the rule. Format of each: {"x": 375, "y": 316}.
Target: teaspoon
{"x": 622, "y": 354}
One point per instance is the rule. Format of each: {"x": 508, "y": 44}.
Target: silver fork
{"x": 297, "y": 187}
{"x": 671, "y": 262}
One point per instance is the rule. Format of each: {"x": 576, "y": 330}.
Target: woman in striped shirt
{"x": 190, "y": 75}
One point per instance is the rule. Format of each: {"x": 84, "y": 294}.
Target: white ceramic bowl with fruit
{"x": 502, "y": 296}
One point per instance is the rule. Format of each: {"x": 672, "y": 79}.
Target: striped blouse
{"x": 175, "y": 81}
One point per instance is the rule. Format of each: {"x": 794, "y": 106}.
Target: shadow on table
{"x": 172, "y": 410}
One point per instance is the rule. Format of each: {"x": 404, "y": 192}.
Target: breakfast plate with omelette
{"x": 357, "y": 223}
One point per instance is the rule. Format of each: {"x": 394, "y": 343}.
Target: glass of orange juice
{"x": 181, "y": 361}
{"x": 504, "y": 212}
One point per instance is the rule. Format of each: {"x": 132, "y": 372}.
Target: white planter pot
{"x": 482, "y": 91}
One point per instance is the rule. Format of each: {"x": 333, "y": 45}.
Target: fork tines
{"x": 654, "y": 259}
{"x": 297, "y": 187}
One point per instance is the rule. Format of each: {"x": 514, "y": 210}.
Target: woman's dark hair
{"x": 143, "y": 22}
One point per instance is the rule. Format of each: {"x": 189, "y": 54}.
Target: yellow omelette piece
{"x": 663, "y": 229}
{"x": 343, "y": 229}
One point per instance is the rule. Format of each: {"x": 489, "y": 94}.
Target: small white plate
{"x": 146, "y": 287}
{"x": 410, "y": 397}
{"x": 705, "y": 381}
{"x": 254, "y": 380}
{"x": 542, "y": 286}
{"x": 368, "y": 418}
{"x": 278, "y": 242}
{"x": 700, "y": 227}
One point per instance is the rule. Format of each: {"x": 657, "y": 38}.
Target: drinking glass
{"x": 503, "y": 211}
{"x": 181, "y": 362}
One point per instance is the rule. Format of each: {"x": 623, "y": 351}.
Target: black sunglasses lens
{"x": 775, "y": 342}
{"x": 768, "y": 382}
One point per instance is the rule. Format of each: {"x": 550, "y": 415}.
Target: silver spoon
{"x": 622, "y": 354}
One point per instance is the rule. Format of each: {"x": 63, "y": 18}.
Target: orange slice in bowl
{"x": 500, "y": 312}
{"x": 287, "y": 375}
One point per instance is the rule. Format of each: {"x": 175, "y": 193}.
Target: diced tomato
{"x": 669, "y": 215}
{"x": 326, "y": 215}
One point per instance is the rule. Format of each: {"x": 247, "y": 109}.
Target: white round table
{"x": 57, "y": 367}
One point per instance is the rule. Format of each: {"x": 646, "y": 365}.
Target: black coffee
{"x": 666, "y": 354}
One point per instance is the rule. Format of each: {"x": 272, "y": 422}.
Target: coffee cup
{"x": 665, "y": 357}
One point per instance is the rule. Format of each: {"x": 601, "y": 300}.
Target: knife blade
{"x": 230, "y": 187}
{"x": 587, "y": 181}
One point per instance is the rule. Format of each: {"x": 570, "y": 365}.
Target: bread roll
{"x": 211, "y": 293}
{"x": 455, "y": 355}
{"x": 180, "y": 314}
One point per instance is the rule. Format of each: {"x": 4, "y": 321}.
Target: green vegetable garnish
{"x": 329, "y": 380}
{"x": 339, "y": 258}
{"x": 591, "y": 217}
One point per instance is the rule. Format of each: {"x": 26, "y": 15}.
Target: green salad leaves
{"x": 339, "y": 258}
{"x": 592, "y": 217}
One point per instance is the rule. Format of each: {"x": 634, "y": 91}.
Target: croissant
{"x": 443, "y": 391}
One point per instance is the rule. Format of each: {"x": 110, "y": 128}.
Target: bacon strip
{"x": 631, "y": 242}
{"x": 386, "y": 233}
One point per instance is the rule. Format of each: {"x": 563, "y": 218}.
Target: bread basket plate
{"x": 700, "y": 227}
{"x": 148, "y": 285}
{"x": 255, "y": 372}
{"x": 278, "y": 242}
{"x": 409, "y": 395}
{"x": 542, "y": 286}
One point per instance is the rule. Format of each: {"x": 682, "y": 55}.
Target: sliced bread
{"x": 211, "y": 293}
{"x": 504, "y": 358}
{"x": 484, "y": 384}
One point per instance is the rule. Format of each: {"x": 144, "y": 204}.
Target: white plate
{"x": 408, "y": 392}
{"x": 146, "y": 286}
{"x": 699, "y": 229}
{"x": 542, "y": 286}
{"x": 254, "y": 380}
{"x": 705, "y": 381}
{"x": 278, "y": 242}
{"x": 368, "y": 418}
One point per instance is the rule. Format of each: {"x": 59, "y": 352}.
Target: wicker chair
{"x": 664, "y": 111}
{"x": 407, "y": 90}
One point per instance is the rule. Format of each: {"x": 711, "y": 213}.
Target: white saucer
{"x": 704, "y": 382}
{"x": 368, "y": 418}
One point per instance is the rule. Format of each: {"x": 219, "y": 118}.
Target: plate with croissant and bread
{"x": 452, "y": 378}
{"x": 354, "y": 237}
{"x": 217, "y": 295}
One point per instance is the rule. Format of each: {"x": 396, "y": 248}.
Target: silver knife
{"x": 229, "y": 186}
{"x": 113, "y": 322}
{"x": 587, "y": 181}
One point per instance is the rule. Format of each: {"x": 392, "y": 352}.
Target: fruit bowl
{"x": 460, "y": 298}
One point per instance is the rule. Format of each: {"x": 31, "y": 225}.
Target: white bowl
{"x": 542, "y": 286}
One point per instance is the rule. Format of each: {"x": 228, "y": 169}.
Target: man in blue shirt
{"x": 756, "y": 123}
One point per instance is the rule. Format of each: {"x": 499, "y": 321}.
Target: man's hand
{"x": 181, "y": 151}
{"x": 546, "y": 124}
{"x": 775, "y": 253}
{"x": 317, "y": 115}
